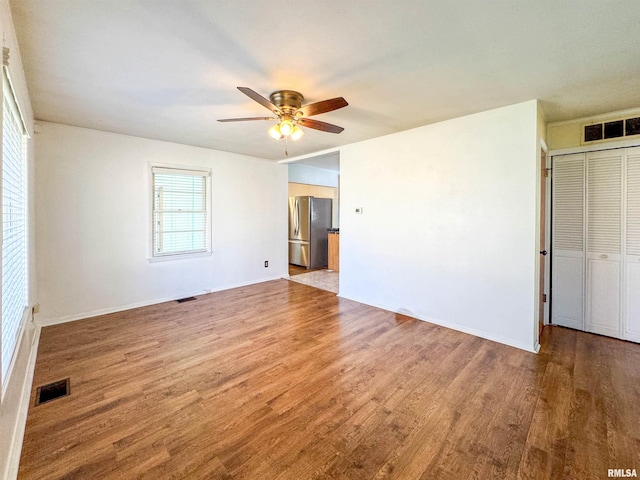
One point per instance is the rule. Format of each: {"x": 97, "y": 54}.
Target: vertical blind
{"x": 14, "y": 228}
{"x": 180, "y": 213}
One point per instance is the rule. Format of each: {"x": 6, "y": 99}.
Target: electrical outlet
{"x": 266, "y": 263}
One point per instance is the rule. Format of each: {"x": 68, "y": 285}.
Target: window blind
{"x": 180, "y": 211}
{"x": 14, "y": 228}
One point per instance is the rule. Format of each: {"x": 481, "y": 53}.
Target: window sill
{"x": 179, "y": 256}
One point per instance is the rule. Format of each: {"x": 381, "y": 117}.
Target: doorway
{"x": 542, "y": 279}
{"x": 314, "y": 181}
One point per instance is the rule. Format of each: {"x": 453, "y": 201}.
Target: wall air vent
{"x": 593, "y": 132}
{"x": 632, "y": 126}
{"x": 602, "y": 131}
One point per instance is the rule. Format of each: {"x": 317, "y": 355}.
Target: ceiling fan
{"x": 291, "y": 114}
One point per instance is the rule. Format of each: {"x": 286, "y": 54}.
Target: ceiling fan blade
{"x": 260, "y": 99}
{"x": 323, "y": 106}
{"x": 246, "y": 119}
{"x": 318, "y": 125}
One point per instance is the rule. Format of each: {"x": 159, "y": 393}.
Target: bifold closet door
{"x": 632, "y": 257}
{"x": 567, "y": 299}
{"x": 604, "y": 242}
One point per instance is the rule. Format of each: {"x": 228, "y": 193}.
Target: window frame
{"x": 179, "y": 170}
{"x": 7, "y": 357}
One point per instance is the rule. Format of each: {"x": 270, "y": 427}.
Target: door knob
{"x": 543, "y": 252}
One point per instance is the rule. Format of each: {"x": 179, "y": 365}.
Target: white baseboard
{"x": 15, "y": 446}
{"x": 452, "y": 326}
{"x": 105, "y": 311}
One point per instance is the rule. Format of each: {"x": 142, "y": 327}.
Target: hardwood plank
{"x": 281, "y": 380}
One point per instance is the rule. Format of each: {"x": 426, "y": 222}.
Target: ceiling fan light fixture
{"x": 286, "y": 127}
{"x": 275, "y": 132}
{"x": 296, "y": 133}
{"x": 287, "y": 107}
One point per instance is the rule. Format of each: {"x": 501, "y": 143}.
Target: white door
{"x": 604, "y": 245}
{"x": 632, "y": 258}
{"x": 567, "y": 294}
{"x": 596, "y": 242}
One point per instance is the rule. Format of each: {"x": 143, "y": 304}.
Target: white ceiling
{"x": 167, "y": 69}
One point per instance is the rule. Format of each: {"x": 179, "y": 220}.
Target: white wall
{"x": 93, "y": 222}
{"x": 448, "y": 232}
{"x": 312, "y": 175}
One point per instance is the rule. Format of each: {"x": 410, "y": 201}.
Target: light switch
{"x": 358, "y": 209}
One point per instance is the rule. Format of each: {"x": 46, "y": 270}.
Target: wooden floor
{"x": 281, "y": 380}
{"x": 298, "y": 270}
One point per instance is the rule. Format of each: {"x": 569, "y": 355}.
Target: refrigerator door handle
{"x": 296, "y": 209}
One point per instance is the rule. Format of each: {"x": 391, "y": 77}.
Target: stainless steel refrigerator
{"x": 309, "y": 219}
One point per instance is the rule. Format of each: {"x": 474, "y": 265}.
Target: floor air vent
{"x": 188, "y": 299}
{"x": 51, "y": 391}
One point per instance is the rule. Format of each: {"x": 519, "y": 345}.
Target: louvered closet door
{"x": 632, "y": 264}
{"x": 568, "y": 241}
{"x": 604, "y": 245}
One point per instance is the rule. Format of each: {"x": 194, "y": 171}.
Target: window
{"x": 14, "y": 228}
{"x": 180, "y": 211}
